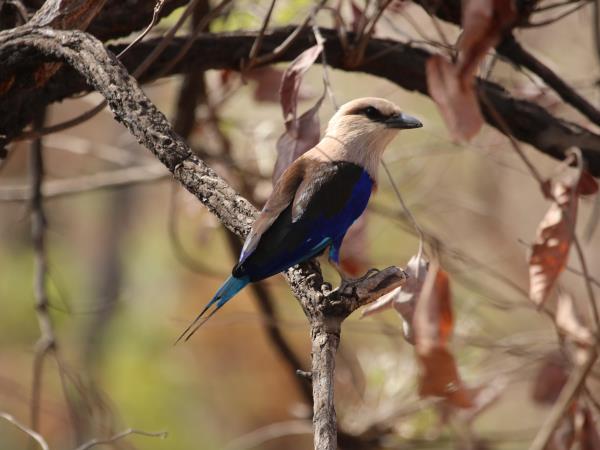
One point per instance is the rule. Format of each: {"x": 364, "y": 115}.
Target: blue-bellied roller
{"x": 317, "y": 198}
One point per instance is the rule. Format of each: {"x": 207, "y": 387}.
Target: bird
{"x": 317, "y": 198}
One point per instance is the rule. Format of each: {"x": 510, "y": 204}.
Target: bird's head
{"x": 365, "y": 126}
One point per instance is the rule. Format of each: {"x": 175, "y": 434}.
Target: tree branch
{"x": 400, "y": 63}
{"x": 134, "y": 110}
{"x": 512, "y": 50}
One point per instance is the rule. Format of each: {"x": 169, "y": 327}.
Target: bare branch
{"x": 512, "y": 50}
{"x": 33, "y": 434}
{"x": 397, "y": 62}
{"x": 95, "y": 442}
{"x": 101, "y": 180}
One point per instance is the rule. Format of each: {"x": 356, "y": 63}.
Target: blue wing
{"x": 339, "y": 195}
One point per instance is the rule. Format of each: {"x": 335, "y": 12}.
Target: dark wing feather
{"x": 329, "y": 198}
{"x": 317, "y": 174}
{"x": 282, "y": 195}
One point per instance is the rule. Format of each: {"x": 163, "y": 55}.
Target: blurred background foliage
{"x": 120, "y": 294}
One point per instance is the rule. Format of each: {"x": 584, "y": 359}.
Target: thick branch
{"x": 397, "y": 62}
{"x": 132, "y": 108}
{"x": 512, "y": 50}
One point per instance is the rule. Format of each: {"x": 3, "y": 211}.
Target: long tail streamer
{"x": 231, "y": 287}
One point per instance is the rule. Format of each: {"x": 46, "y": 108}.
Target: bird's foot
{"x": 347, "y": 283}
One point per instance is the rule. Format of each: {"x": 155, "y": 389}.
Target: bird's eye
{"x": 373, "y": 113}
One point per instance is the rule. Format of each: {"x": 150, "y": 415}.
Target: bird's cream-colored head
{"x": 361, "y": 129}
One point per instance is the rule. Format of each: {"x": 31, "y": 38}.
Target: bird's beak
{"x": 402, "y": 121}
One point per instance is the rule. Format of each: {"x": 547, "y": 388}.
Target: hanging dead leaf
{"x": 552, "y": 244}
{"x": 452, "y": 86}
{"x": 587, "y": 184}
{"x": 433, "y": 322}
{"x": 569, "y": 322}
{"x": 550, "y": 379}
{"x": 292, "y": 79}
{"x": 439, "y": 378}
{"x": 301, "y": 135}
{"x": 455, "y": 98}
{"x": 483, "y": 22}
{"x": 267, "y": 80}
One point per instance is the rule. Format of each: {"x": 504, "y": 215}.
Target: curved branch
{"x": 397, "y": 62}
{"x": 136, "y": 112}
{"x": 512, "y": 50}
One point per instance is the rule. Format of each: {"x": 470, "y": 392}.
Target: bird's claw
{"x": 326, "y": 286}
{"x": 349, "y": 283}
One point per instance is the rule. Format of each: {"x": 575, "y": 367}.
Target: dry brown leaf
{"x": 568, "y": 321}
{"x": 587, "y": 184}
{"x": 455, "y": 98}
{"x": 301, "y": 135}
{"x": 552, "y": 244}
{"x": 292, "y": 78}
{"x": 452, "y": 86}
{"x": 433, "y": 322}
{"x": 483, "y": 22}
{"x": 439, "y": 378}
{"x": 268, "y": 80}
{"x": 550, "y": 379}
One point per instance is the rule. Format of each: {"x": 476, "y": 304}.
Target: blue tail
{"x": 231, "y": 287}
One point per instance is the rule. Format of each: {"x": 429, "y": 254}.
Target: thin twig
{"x": 258, "y": 41}
{"x": 513, "y": 142}
{"x": 179, "y": 249}
{"x": 511, "y": 49}
{"x": 365, "y": 35}
{"x": 95, "y": 442}
{"x": 31, "y": 433}
{"x": 281, "y": 48}
{"x": 567, "y": 394}
{"x": 137, "y": 73}
{"x": 270, "y": 432}
{"x": 406, "y": 210}
{"x": 556, "y": 5}
{"x": 77, "y": 185}
{"x": 157, "y": 9}
{"x": 554, "y": 19}
{"x": 46, "y": 342}
{"x": 198, "y": 29}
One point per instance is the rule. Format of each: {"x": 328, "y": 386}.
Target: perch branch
{"x": 512, "y": 50}
{"x": 400, "y": 63}
{"x": 325, "y": 310}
